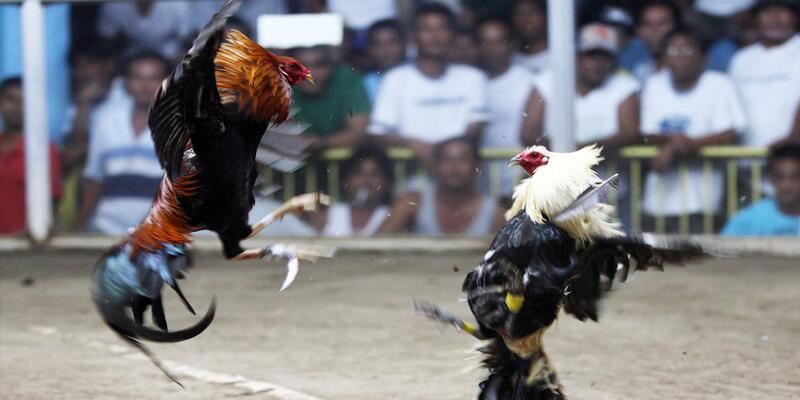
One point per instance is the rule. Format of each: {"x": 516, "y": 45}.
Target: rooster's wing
{"x": 188, "y": 103}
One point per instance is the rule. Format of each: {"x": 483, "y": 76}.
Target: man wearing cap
{"x": 767, "y": 74}
{"x": 607, "y": 110}
{"x": 606, "y": 102}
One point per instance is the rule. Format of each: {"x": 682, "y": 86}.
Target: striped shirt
{"x": 125, "y": 163}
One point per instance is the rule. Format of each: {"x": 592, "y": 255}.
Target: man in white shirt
{"x": 147, "y": 25}
{"x": 683, "y": 109}
{"x": 122, "y": 172}
{"x": 529, "y": 19}
{"x": 430, "y": 100}
{"x": 767, "y": 75}
{"x": 509, "y": 90}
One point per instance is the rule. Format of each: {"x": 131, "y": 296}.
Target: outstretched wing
{"x": 188, "y": 103}
{"x": 610, "y": 258}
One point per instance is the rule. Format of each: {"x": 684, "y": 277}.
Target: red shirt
{"x": 12, "y": 183}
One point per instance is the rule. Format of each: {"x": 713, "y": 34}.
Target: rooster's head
{"x": 531, "y": 159}
{"x": 293, "y": 71}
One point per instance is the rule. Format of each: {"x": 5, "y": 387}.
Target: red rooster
{"x": 207, "y": 121}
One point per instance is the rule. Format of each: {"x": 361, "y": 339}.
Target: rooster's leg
{"x": 304, "y": 202}
{"x": 293, "y": 254}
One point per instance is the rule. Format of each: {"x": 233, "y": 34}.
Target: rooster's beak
{"x": 310, "y": 79}
{"x": 514, "y": 161}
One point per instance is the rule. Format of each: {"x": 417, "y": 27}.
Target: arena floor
{"x": 725, "y": 329}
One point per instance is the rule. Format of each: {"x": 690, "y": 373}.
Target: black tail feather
{"x": 186, "y": 303}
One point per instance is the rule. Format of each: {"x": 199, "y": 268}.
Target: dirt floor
{"x": 726, "y": 329}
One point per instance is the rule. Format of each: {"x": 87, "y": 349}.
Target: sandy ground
{"x": 725, "y": 329}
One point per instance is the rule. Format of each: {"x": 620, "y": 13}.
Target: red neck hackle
{"x": 254, "y": 79}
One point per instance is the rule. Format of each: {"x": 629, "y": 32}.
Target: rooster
{"x": 561, "y": 246}
{"x": 207, "y": 121}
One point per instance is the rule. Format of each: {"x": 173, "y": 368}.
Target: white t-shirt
{"x": 596, "y": 113}
{"x": 535, "y": 63}
{"x": 126, "y": 165}
{"x": 712, "y": 106}
{"x": 413, "y": 105}
{"x": 340, "y": 221}
{"x": 162, "y": 29}
{"x": 768, "y": 79}
{"x": 507, "y": 96}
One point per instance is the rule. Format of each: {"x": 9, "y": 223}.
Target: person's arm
{"x": 78, "y": 136}
{"x": 90, "y": 191}
{"x": 352, "y": 135}
{"x": 794, "y": 131}
{"x": 628, "y": 117}
{"x": 401, "y": 214}
{"x": 533, "y": 119}
{"x": 318, "y": 219}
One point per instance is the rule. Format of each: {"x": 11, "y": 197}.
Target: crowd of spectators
{"x": 444, "y": 78}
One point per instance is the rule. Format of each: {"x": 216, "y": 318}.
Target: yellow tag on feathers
{"x": 514, "y": 302}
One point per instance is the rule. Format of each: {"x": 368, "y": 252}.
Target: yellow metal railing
{"x": 632, "y": 160}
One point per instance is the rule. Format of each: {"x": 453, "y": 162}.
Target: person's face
{"x": 144, "y": 78}
{"x": 11, "y": 107}
{"x": 530, "y": 21}
{"x": 465, "y": 50}
{"x": 785, "y": 178}
{"x": 456, "y": 167}
{"x": 594, "y": 67}
{"x": 368, "y": 178}
{"x": 494, "y": 47}
{"x": 386, "y": 49}
{"x": 656, "y": 23}
{"x": 321, "y": 68}
{"x": 776, "y": 24}
{"x": 684, "y": 58}
{"x": 433, "y": 36}
{"x": 86, "y": 69}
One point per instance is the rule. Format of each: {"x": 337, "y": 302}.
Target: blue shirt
{"x": 762, "y": 219}
{"x": 372, "y": 81}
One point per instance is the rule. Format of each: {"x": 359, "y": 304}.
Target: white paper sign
{"x": 300, "y": 30}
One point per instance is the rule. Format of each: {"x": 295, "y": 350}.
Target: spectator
{"x": 779, "y": 215}
{"x": 767, "y": 75}
{"x": 508, "y": 93}
{"x": 12, "y": 160}
{"x": 529, "y": 19}
{"x": 386, "y": 48}
{"x": 656, "y": 19}
{"x": 122, "y": 172}
{"x": 367, "y": 178}
{"x": 454, "y": 205}
{"x": 464, "y": 49}
{"x": 149, "y": 25}
{"x": 619, "y": 19}
{"x": 92, "y": 71}
{"x": 607, "y": 110}
{"x": 430, "y": 100}
{"x": 683, "y": 109}
{"x": 336, "y": 106}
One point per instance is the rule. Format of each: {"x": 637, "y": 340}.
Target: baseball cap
{"x": 597, "y": 36}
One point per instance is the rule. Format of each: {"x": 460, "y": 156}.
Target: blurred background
{"x": 413, "y": 117}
